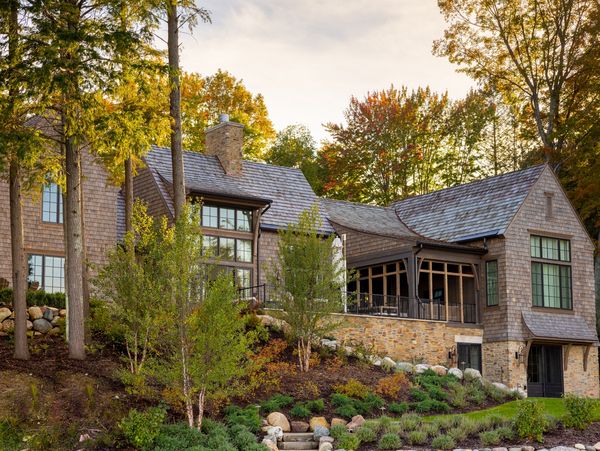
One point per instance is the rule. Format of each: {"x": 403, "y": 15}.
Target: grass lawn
{"x": 552, "y": 406}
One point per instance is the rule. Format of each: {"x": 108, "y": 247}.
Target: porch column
{"x": 411, "y": 272}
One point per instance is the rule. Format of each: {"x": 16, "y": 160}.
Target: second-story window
{"x": 52, "y": 207}
{"x": 227, "y": 218}
{"x": 551, "y": 272}
{"x": 228, "y": 249}
{"x": 491, "y": 282}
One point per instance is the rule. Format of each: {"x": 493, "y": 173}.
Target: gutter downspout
{"x": 413, "y": 287}
{"x": 257, "y": 235}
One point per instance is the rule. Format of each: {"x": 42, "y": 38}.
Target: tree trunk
{"x": 128, "y": 191}
{"x": 19, "y": 275}
{"x": 85, "y": 275}
{"x": 175, "y": 108}
{"x": 201, "y": 398}
{"x": 74, "y": 247}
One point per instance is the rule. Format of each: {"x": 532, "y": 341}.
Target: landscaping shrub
{"x": 348, "y": 442}
{"x": 315, "y": 406}
{"x": 530, "y": 422}
{"x": 431, "y": 429}
{"x": 457, "y": 395}
{"x": 174, "y": 437}
{"x": 398, "y": 407}
{"x": 37, "y": 297}
{"x": 385, "y": 424}
{"x": 409, "y": 422}
{"x": 241, "y": 437}
{"x": 141, "y": 428}
{"x": 248, "y": 416}
{"x": 431, "y": 405}
{"x": 435, "y": 392}
{"x": 338, "y": 400}
{"x": 370, "y": 403}
{"x": 579, "y": 411}
{"x": 389, "y": 441}
{"x": 352, "y": 388}
{"x": 418, "y": 395}
{"x": 11, "y": 435}
{"x": 366, "y": 434}
{"x": 337, "y": 431}
{"x": 300, "y": 411}
{"x": 470, "y": 425}
{"x": 393, "y": 386}
{"x": 494, "y": 392}
{"x": 276, "y": 402}
{"x": 457, "y": 433}
{"x": 443, "y": 442}
{"x": 346, "y": 411}
{"x": 490, "y": 438}
{"x": 417, "y": 437}
{"x": 475, "y": 393}
{"x": 506, "y": 433}
{"x": 429, "y": 377}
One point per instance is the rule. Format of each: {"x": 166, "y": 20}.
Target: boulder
{"x": 279, "y": 419}
{"x": 29, "y": 325}
{"x": 270, "y": 444}
{"x": 338, "y": 421}
{"x": 388, "y": 364}
{"x": 348, "y": 350}
{"x": 34, "y": 313}
{"x": 48, "y": 315}
{"x": 325, "y": 446}
{"x": 405, "y": 367}
{"x": 527, "y": 448}
{"x": 55, "y": 331}
{"x": 326, "y": 439}
{"x": 356, "y": 422}
{"x": 8, "y": 325}
{"x": 580, "y": 446}
{"x": 62, "y": 312}
{"x": 300, "y": 426}
{"x": 41, "y": 325}
{"x": 275, "y": 323}
{"x": 331, "y": 344}
{"x": 318, "y": 421}
{"x": 472, "y": 374}
{"x": 421, "y": 368}
{"x": 376, "y": 361}
{"x": 503, "y": 388}
{"x": 320, "y": 431}
{"x": 275, "y": 431}
{"x": 456, "y": 372}
{"x": 439, "y": 370}
{"x": 597, "y": 446}
{"x": 4, "y": 313}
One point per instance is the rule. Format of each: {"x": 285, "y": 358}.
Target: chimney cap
{"x": 223, "y": 117}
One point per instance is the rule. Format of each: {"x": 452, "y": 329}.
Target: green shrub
{"x": 430, "y": 428}
{"x": 352, "y": 388}
{"x": 337, "y": 399}
{"x": 429, "y": 377}
{"x": 346, "y": 411}
{"x": 141, "y": 428}
{"x": 490, "y": 438}
{"x": 496, "y": 421}
{"x": 417, "y": 437}
{"x": 300, "y": 411}
{"x": 398, "y": 408}
{"x": 457, "y": 433}
{"x": 494, "y": 393}
{"x": 435, "y": 392}
{"x": 315, "y": 406}
{"x": 431, "y": 405}
{"x": 443, "y": 442}
{"x": 418, "y": 395}
{"x": 248, "y": 416}
{"x": 366, "y": 434}
{"x": 409, "y": 422}
{"x": 551, "y": 422}
{"x": 457, "y": 396}
{"x": 174, "y": 437}
{"x": 11, "y": 435}
{"x": 37, "y": 297}
{"x": 579, "y": 411}
{"x": 470, "y": 425}
{"x": 337, "y": 431}
{"x": 385, "y": 424}
{"x": 348, "y": 442}
{"x": 475, "y": 393}
{"x": 276, "y": 402}
{"x": 530, "y": 422}
{"x": 389, "y": 441}
{"x": 368, "y": 404}
{"x": 449, "y": 422}
{"x": 241, "y": 437}
{"x": 506, "y": 433}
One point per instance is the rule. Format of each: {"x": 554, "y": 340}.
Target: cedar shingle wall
{"x": 144, "y": 187}
{"x": 100, "y": 219}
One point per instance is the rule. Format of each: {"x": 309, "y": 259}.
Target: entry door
{"x": 544, "y": 371}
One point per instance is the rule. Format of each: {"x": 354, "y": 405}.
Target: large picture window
{"x": 47, "y": 272}
{"x": 491, "y": 282}
{"x": 229, "y": 249}
{"x": 551, "y": 282}
{"x": 226, "y": 218}
{"x": 52, "y": 208}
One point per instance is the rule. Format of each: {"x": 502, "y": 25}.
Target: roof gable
{"x": 285, "y": 188}
{"x": 471, "y": 211}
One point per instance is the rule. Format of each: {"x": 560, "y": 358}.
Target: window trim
{"x": 235, "y": 249}
{"x": 237, "y": 211}
{"x": 42, "y": 286}
{"x": 560, "y": 287}
{"x": 59, "y": 219}
{"x": 559, "y": 240}
{"x": 487, "y": 285}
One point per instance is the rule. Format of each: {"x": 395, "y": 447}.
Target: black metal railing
{"x": 257, "y": 292}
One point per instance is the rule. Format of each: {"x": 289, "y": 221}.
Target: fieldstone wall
{"x": 41, "y": 320}
{"x": 578, "y": 381}
{"x": 404, "y": 339}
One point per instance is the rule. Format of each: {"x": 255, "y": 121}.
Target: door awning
{"x": 558, "y": 327}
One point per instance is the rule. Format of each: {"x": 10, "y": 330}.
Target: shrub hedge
{"x": 38, "y": 297}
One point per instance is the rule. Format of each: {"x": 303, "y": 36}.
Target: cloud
{"x": 307, "y": 57}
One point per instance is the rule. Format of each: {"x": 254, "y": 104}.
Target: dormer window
{"x": 226, "y": 218}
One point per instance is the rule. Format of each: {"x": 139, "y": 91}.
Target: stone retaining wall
{"x": 41, "y": 320}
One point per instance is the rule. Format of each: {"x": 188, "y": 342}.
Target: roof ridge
{"x": 384, "y": 207}
{"x": 471, "y": 183}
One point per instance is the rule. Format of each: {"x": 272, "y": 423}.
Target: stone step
{"x": 297, "y": 436}
{"x": 297, "y": 446}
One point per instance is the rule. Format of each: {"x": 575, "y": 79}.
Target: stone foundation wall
{"x": 404, "y": 339}
{"x": 578, "y": 381}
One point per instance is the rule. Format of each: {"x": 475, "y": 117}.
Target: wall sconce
{"x": 519, "y": 356}
{"x": 452, "y": 354}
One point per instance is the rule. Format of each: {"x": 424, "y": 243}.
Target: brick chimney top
{"x": 225, "y": 140}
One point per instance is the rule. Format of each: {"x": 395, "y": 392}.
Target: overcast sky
{"x": 307, "y": 57}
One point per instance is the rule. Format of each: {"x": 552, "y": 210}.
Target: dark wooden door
{"x": 544, "y": 371}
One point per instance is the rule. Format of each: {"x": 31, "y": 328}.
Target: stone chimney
{"x": 225, "y": 140}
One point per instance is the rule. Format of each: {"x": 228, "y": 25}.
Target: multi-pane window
{"x": 551, "y": 282}
{"x": 231, "y": 249}
{"x": 226, "y": 218}
{"x": 491, "y": 277}
{"x": 469, "y": 356}
{"x": 52, "y": 208}
{"x": 47, "y": 272}
{"x": 243, "y": 277}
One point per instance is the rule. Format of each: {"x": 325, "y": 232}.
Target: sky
{"x": 308, "y": 57}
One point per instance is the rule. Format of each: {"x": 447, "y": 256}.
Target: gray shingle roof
{"x": 555, "y": 326}
{"x": 470, "y": 211}
{"x": 366, "y": 218}
{"x": 287, "y": 188}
